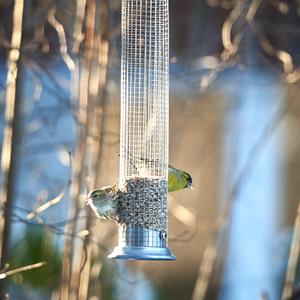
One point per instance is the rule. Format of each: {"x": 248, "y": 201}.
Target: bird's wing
{"x": 172, "y": 182}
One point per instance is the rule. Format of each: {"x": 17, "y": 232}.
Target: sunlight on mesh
{"x": 144, "y": 116}
{"x": 144, "y": 112}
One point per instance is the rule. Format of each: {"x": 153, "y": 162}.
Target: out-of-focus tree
{"x": 65, "y": 121}
{"x": 37, "y": 246}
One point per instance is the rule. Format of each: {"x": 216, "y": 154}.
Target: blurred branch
{"x": 70, "y": 284}
{"x": 281, "y": 55}
{"x": 186, "y": 217}
{"x": 293, "y": 260}
{"x": 230, "y": 48}
{"x": 211, "y": 250}
{"x": 53, "y": 201}
{"x": 53, "y": 228}
{"x": 22, "y": 269}
{"x": 78, "y": 36}
{"x": 98, "y": 123}
{"x": 62, "y": 40}
{"x": 280, "y": 6}
{"x": 231, "y": 43}
{"x": 57, "y": 90}
{"x": 48, "y": 204}
{"x": 11, "y": 134}
{"x": 243, "y": 13}
{"x": 77, "y": 281}
{"x": 291, "y": 75}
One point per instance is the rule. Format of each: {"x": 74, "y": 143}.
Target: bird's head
{"x": 102, "y": 194}
{"x": 95, "y": 194}
{"x": 189, "y": 181}
{"x": 104, "y": 202}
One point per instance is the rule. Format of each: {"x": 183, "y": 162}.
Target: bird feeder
{"x": 143, "y": 177}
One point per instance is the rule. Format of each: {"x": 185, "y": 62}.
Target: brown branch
{"x": 62, "y": 40}
{"x": 46, "y": 205}
{"x": 97, "y": 146}
{"x": 79, "y": 18}
{"x": 293, "y": 260}
{"x": 22, "y": 269}
{"x": 291, "y": 73}
{"x": 243, "y": 13}
{"x": 11, "y": 134}
{"x": 231, "y": 45}
{"x": 69, "y": 283}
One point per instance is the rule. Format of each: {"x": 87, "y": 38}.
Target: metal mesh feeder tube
{"x": 143, "y": 178}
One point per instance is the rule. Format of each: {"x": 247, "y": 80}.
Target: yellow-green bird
{"x": 105, "y": 201}
{"x": 178, "y": 180}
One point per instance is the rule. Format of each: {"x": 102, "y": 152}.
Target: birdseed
{"x": 144, "y": 203}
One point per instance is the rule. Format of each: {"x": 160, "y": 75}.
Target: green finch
{"x": 178, "y": 180}
{"x": 105, "y": 201}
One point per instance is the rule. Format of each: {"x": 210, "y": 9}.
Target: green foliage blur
{"x": 37, "y": 246}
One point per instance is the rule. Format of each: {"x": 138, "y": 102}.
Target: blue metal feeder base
{"x": 142, "y": 253}
{"x": 141, "y": 243}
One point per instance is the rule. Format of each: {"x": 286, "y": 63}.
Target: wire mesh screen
{"x": 144, "y": 112}
{"x": 144, "y": 123}
{"x": 144, "y": 115}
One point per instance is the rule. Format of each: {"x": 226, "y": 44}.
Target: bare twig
{"x": 46, "y": 205}
{"x": 184, "y": 216}
{"x": 253, "y": 7}
{"x": 62, "y": 40}
{"x": 97, "y": 146}
{"x": 22, "y": 269}
{"x": 10, "y": 140}
{"x": 242, "y": 13}
{"x": 231, "y": 45}
{"x": 291, "y": 74}
{"x": 78, "y": 36}
{"x": 293, "y": 260}
{"x": 51, "y": 202}
{"x": 69, "y": 283}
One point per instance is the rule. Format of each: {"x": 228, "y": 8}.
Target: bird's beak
{"x": 89, "y": 197}
{"x": 189, "y": 181}
{"x": 190, "y": 186}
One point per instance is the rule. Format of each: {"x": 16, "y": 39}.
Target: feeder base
{"x": 141, "y": 253}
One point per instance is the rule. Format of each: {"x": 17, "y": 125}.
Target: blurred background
{"x": 234, "y": 126}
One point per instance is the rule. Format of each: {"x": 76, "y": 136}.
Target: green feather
{"x": 178, "y": 179}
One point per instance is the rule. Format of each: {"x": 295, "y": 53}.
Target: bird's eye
{"x": 95, "y": 193}
{"x": 92, "y": 194}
